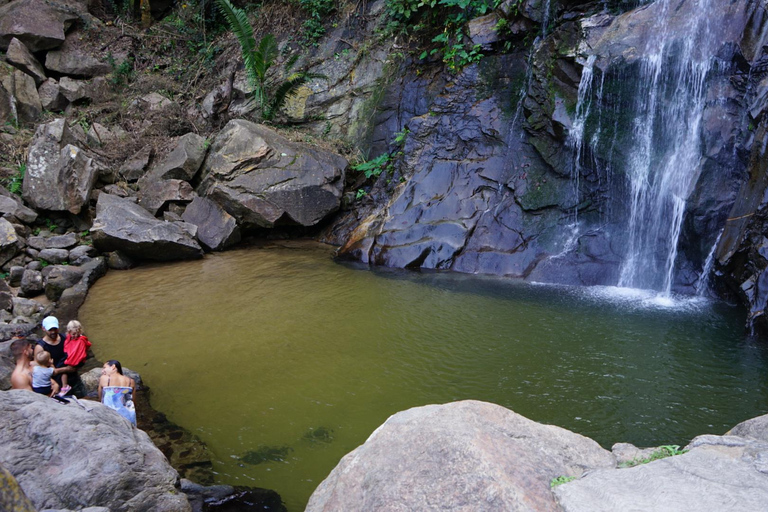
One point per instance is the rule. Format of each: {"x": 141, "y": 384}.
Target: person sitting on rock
{"x": 116, "y": 390}
{"x": 42, "y": 374}
{"x": 76, "y": 345}
{"x": 23, "y": 353}
{"x": 53, "y": 343}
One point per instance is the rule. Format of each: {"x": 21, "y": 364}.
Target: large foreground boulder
{"x": 718, "y": 473}
{"x": 83, "y": 454}
{"x": 263, "y": 179}
{"x": 460, "y": 456}
{"x": 122, "y": 225}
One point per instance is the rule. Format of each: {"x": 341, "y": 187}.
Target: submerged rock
{"x": 460, "y": 456}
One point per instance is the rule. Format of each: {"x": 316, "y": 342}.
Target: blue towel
{"x": 119, "y": 399}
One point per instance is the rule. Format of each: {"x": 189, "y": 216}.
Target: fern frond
{"x": 238, "y": 22}
{"x": 265, "y": 56}
{"x": 287, "y": 89}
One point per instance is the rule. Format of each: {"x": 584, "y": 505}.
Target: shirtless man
{"x": 21, "y": 378}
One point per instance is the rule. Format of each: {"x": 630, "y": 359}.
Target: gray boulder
{"x": 83, "y": 454}
{"x": 81, "y": 254}
{"x": 39, "y": 25}
{"x": 69, "y": 60}
{"x": 133, "y": 168}
{"x": 718, "y": 473}
{"x": 60, "y": 241}
{"x": 22, "y": 58}
{"x": 119, "y": 261}
{"x": 127, "y": 227}
{"x": 60, "y": 176}
{"x": 72, "y": 297}
{"x": 11, "y": 205}
{"x": 31, "y": 284}
{"x": 55, "y": 256}
{"x": 26, "y": 307}
{"x": 183, "y": 162}
{"x": 154, "y": 194}
{"x": 12, "y": 497}
{"x": 51, "y": 96}
{"x": 216, "y": 229}
{"x": 73, "y": 90}
{"x": 22, "y": 89}
{"x": 9, "y": 241}
{"x": 61, "y": 277}
{"x": 460, "y": 456}
{"x": 263, "y": 179}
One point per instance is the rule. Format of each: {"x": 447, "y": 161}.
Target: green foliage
{"x": 561, "y": 480}
{"x": 662, "y": 452}
{"x": 446, "y": 20}
{"x": 317, "y": 10}
{"x": 373, "y": 168}
{"x": 360, "y": 194}
{"x": 15, "y": 182}
{"x": 270, "y": 91}
{"x": 121, "y": 73}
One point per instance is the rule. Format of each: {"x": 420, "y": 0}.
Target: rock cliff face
{"x": 613, "y": 150}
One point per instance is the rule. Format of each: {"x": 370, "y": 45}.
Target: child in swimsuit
{"x": 76, "y": 345}
{"x": 42, "y": 372}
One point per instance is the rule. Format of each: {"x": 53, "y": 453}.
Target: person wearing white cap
{"x": 53, "y": 343}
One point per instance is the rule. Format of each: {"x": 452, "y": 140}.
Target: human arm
{"x": 102, "y": 383}
{"x": 54, "y": 387}
{"x": 64, "y": 369}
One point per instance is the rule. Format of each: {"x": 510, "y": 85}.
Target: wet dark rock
{"x": 225, "y": 498}
{"x": 216, "y": 229}
{"x": 14, "y": 276}
{"x": 116, "y": 260}
{"x": 262, "y": 179}
{"x": 127, "y": 227}
{"x": 266, "y": 454}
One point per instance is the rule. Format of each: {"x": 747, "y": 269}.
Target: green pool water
{"x": 283, "y": 360}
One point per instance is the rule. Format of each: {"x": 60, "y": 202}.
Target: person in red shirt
{"x": 76, "y": 345}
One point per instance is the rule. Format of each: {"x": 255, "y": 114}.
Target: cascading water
{"x": 665, "y": 158}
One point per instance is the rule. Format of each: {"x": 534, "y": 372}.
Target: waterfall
{"x": 665, "y": 160}
{"x": 575, "y": 140}
{"x": 702, "y": 286}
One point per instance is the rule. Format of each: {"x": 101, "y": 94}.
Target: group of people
{"x": 50, "y": 367}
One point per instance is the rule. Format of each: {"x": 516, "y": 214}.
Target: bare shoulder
{"x": 21, "y": 379}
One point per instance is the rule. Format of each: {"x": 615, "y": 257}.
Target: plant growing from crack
{"x": 271, "y": 91}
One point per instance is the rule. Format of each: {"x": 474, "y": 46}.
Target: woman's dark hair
{"x": 117, "y": 365}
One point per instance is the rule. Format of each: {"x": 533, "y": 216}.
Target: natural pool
{"x": 283, "y": 361}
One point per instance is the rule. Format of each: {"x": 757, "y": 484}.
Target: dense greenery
{"x": 444, "y": 23}
{"x": 270, "y": 90}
